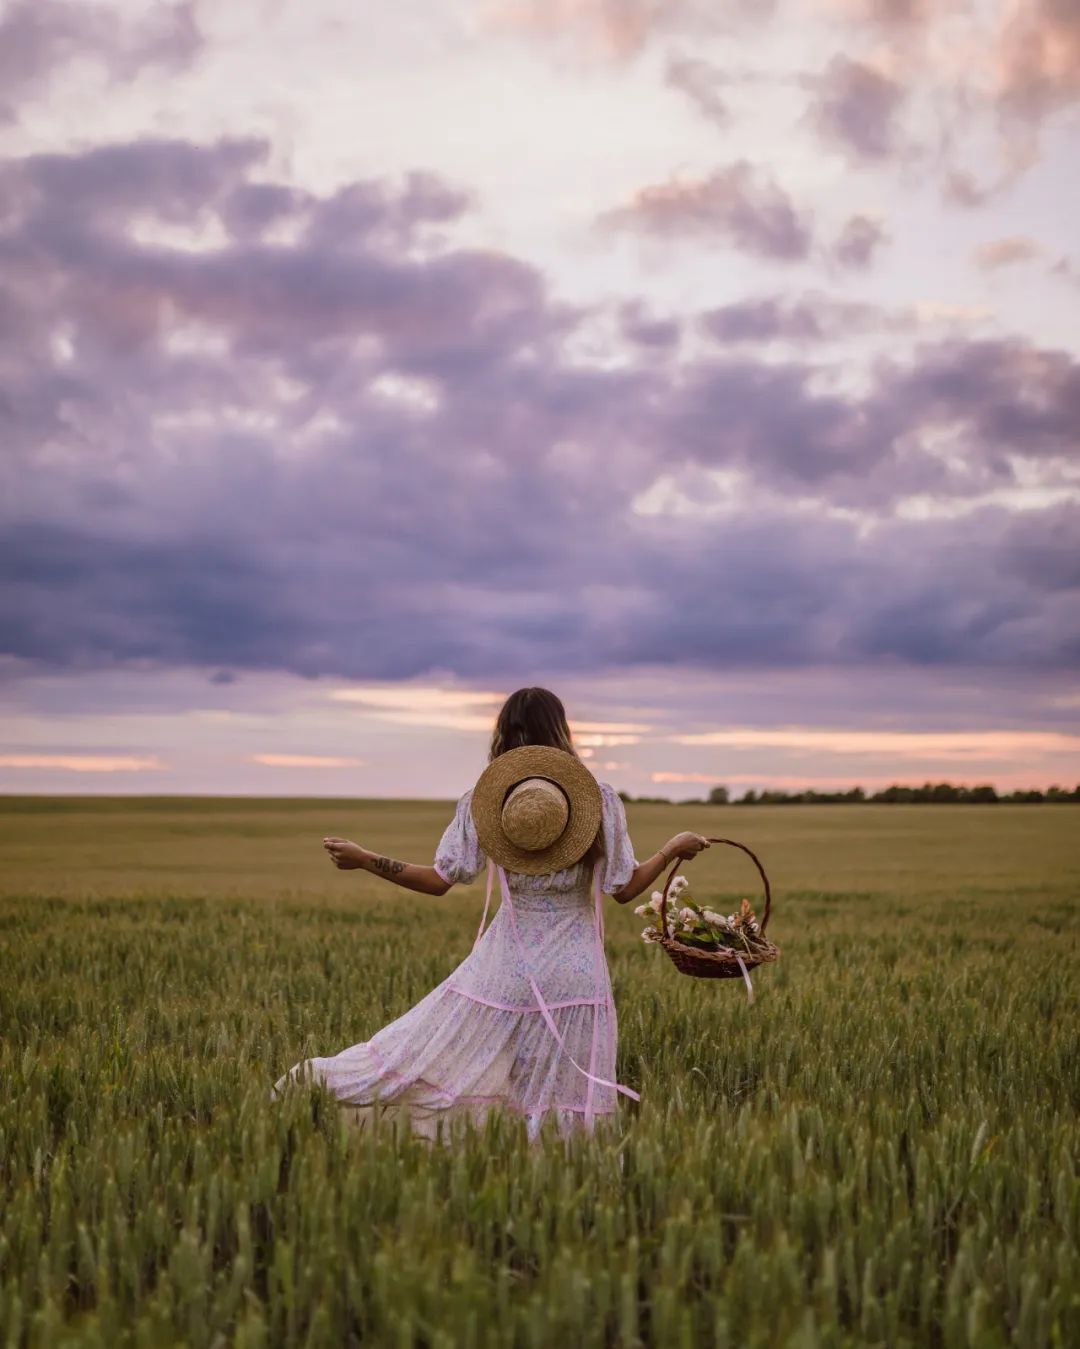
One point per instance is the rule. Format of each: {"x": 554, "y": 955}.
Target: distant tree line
{"x": 932, "y": 792}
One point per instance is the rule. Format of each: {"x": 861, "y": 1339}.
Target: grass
{"x": 882, "y": 1150}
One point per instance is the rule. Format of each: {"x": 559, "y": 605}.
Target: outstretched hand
{"x": 345, "y": 855}
{"x": 686, "y": 845}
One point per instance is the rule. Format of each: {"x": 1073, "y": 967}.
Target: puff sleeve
{"x": 619, "y": 860}
{"x": 459, "y": 857}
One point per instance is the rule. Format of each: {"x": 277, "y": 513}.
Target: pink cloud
{"x": 738, "y": 203}
{"x": 1037, "y": 59}
{"x": 1002, "y": 252}
{"x": 610, "y": 29}
{"x": 957, "y": 745}
{"x": 84, "y": 763}
{"x": 304, "y": 761}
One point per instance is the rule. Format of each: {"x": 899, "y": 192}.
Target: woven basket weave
{"x": 724, "y": 963}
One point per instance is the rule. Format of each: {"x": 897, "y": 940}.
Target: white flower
{"x": 650, "y": 934}
{"x": 688, "y": 916}
{"x": 642, "y": 910}
{"x": 656, "y": 901}
{"x": 677, "y": 885}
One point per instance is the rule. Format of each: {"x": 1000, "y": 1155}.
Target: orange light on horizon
{"x": 962, "y": 745}
{"x": 85, "y": 763}
{"x": 304, "y": 761}
{"x": 1004, "y": 782}
{"x": 414, "y": 697}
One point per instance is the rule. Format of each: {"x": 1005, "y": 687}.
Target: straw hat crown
{"x": 536, "y": 809}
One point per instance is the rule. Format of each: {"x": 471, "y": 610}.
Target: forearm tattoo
{"x": 386, "y": 866}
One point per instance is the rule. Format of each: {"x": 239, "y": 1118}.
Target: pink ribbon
{"x": 487, "y": 904}
{"x": 749, "y": 985}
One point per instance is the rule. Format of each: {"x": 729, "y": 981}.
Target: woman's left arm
{"x": 349, "y": 856}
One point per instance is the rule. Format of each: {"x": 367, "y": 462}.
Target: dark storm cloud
{"x": 738, "y": 204}
{"x": 40, "y": 37}
{"x": 354, "y": 455}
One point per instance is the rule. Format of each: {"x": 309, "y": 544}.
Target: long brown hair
{"x": 531, "y": 716}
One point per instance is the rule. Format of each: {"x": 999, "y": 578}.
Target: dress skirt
{"x": 525, "y": 1023}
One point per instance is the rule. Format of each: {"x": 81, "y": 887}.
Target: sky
{"x": 713, "y": 364}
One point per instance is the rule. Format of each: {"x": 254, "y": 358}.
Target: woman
{"x": 526, "y": 1022}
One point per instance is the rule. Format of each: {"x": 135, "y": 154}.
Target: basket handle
{"x": 681, "y": 861}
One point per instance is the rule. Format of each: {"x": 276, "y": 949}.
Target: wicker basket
{"x": 724, "y": 963}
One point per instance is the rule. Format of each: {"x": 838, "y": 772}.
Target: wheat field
{"x": 881, "y": 1150}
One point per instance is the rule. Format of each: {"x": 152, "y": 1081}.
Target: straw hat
{"x": 536, "y": 809}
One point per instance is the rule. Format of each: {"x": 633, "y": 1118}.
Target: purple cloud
{"x": 806, "y": 318}
{"x": 337, "y": 456}
{"x": 856, "y": 108}
{"x": 701, "y": 82}
{"x": 40, "y": 37}
{"x": 859, "y": 242}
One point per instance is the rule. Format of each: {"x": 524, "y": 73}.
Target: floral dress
{"x": 526, "y": 1022}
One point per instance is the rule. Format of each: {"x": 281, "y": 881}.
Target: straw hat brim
{"x": 568, "y": 773}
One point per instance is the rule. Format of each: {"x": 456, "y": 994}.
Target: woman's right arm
{"x": 349, "y": 856}
{"x": 686, "y": 844}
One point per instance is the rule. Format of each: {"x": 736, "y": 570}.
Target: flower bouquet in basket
{"x": 702, "y": 942}
{"x": 704, "y": 928}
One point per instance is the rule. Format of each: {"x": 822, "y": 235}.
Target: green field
{"x": 882, "y": 1150}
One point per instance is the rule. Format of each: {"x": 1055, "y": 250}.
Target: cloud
{"x": 645, "y": 330}
{"x": 739, "y": 204}
{"x": 38, "y": 38}
{"x": 419, "y": 698}
{"x": 859, "y": 241}
{"x": 596, "y": 741}
{"x": 304, "y": 761}
{"x": 811, "y": 317}
{"x": 701, "y": 82}
{"x": 857, "y": 108}
{"x": 972, "y": 84}
{"x": 206, "y": 470}
{"x": 618, "y": 29}
{"x": 1004, "y": 252}
{"x": 1037, "y": 58}
{"x": 959, "y": 745}
{"x": 84, "y": 763}
{"x": 420, "y": 705}
{"x": 886, "y": 14}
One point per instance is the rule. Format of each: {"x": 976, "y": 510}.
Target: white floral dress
{"x": 526, "y": 1022}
